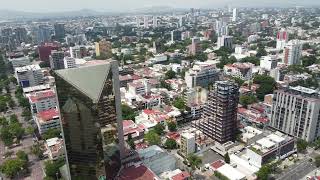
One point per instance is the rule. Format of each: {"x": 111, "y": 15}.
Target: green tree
{"x": 16, "y": 130}
{"x": 159, "y": 129}
{"x": 3, "y": 106}
{"x": 308, "y": 60}
{"x": 130, "y": 142}
{"x": 179, "y": 103}
{"x": 52, "y": 167}
{"x": 13, "y": 119}
{"x": 127, "y": 112}
{"x": 6, "y": 136}
{"x": 267, "y": 85}
{"x": 12, "y": 167}
{"x": 3, "y": 121}
{"x": 225, "y": 60}
{"x": 264, "y": 172}
{"x": 201, "y": 56}
{"x": 11, "y": 103}
{"x": 22, "y": 155}
{"x": 26, "y": 114}
{"x": 51, "y": 133}
{"x": 170, "y": 74}
{"x": 223, "y": 51}
{"x": 301, "y": 145}
{"x": 246, "y": 100}
{"x": 30, "y": 130}
{"x": 163, "y": 84}
{"x": 261, "y": 52}
{"x": 194, "y": 160}
{"x": 172, "y": 126}
{"x": 170, "y": 144}
{"x": 237, "y": 80}
{"x": 152, "y": 138}
{"x": 227, "y": 158}
{"x": 251, "y": 59}
{"x": 37, "y": 150}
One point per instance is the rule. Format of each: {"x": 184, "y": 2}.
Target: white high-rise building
{"x": 29, "y": 76}
{"x": 282, "y": 39}
{"x": 234, "y": 15}
{"x": 221, "y": 28}
{"x": 155, "y": 21}
{"x": 201, "y": 75}
{"x": 295, "y": 111}
{"x": 225, "y": 41}
{"x": 69, "y": 62}
{"x": 268, "y": 62}
{"x": 188, "y": 142}
{"x": 292, "y": 52}
{"x": 181, "y": 21}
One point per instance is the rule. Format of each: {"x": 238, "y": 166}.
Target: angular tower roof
{"x": 89, "y": 80}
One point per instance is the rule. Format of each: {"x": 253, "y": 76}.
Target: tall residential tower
{"x": 219, "y": 117}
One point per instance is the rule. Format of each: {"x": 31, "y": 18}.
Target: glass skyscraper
{"x": 89, "y": 103}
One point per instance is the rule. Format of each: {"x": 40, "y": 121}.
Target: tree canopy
{"x": 251, "y": 59}
{"x": 170, "y": 74}
{"x": 152, "y": 138}
{"x": 246, "y": 100}
{"x": 127, "y": 112}
{"x": 170, "y": 144}
{"x": 172, "y": 126}
{"x": 194, "y": 160}
{"x": 267, "y": 85}
{"x": 179, "y": 103}
{"x": 301, "y": 145}
{"x": 12, "y": 167}
{"x": 52, "y": 167}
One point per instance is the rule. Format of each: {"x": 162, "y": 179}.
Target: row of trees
{"x": 11, "y": 130}
{"x": 15, "y": 166}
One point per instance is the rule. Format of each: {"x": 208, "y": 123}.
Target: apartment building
{"x": 295, "y": 110}
{"x": 28, "y": 76}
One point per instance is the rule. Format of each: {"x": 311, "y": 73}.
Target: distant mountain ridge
{"x": 12, "y": 14}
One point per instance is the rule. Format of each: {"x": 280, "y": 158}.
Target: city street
{"x": 299, "y": 170}
{"x": 35, "y": 168}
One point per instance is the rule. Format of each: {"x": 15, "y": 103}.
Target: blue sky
{"x": 121, "y": 5}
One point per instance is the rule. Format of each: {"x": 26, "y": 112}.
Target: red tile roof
{"x": 48, "y": 115}
{"x": 148, "y": 111}
{"x": 173, "y": 135}
{"x": 38, "y": 96}
{"x": 129, "y": 127}
{"x": 181, "y": 176}
{"x": 136, "y": 173}
{"x": 217, "y": 164}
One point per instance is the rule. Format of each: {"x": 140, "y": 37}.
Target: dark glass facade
{"x": 90, "y": 131}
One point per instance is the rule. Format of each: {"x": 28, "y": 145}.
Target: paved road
{"x": 299, "y": 170}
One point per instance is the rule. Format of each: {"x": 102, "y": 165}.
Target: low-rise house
{"x": 137, "y": 171}
{"x": 54, "y": 148}
{"x": 274, "y": 146}
{"x": 239, "y": 70}
{"x": 157, "y": 159}
{"x": 131, "y": 128}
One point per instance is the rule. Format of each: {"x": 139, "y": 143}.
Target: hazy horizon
{"x": 124, "y": 5}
